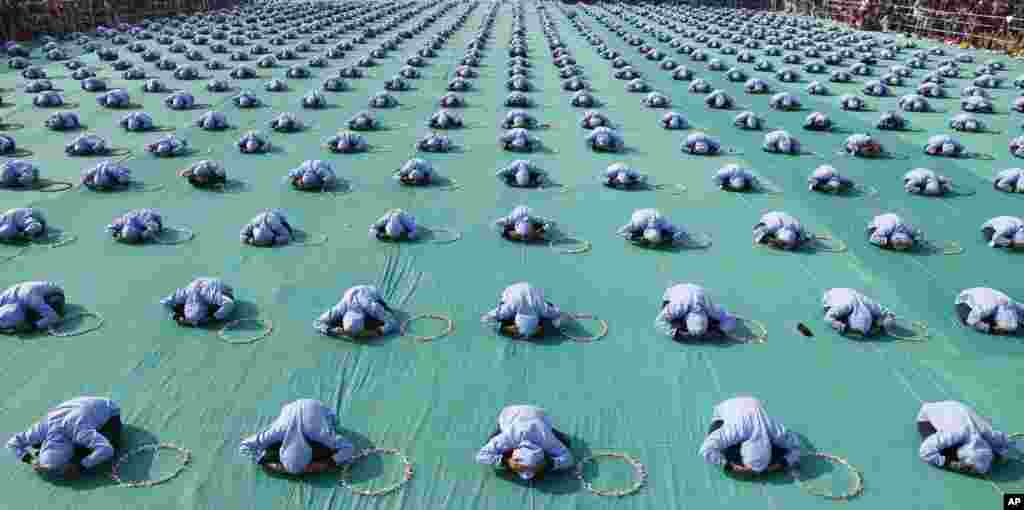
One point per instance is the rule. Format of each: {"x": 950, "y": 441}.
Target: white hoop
{"x": 189, "y": 235}
{"x": 700, "y": 241}
{"x": 20, "y": 252}
{"x": 268, "y": 329}
{"x": 600, "y": 335}
{"x": 676, "y": 190}
{"x": 319, "y": 240}
{"x": 584, "y": 245}
{"x": 52, "y": 330}
{"x": 186, "y": 460}
{"x": 638, "y": 468}
{"x": 455, "y": 233}
{"x": 62, "y": 239}
{"x": 919, "y": 328}
{"x": 757, "y": 338}
{"x": 856, "y": 486}
{"x": 347, "y": 468}
{"x": 840, "y": 246}
{"x": 448, "y": 330}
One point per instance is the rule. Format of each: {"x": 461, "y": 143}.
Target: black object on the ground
{"x": 804, "y": 330}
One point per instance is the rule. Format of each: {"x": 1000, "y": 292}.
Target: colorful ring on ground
{"x": 455, "y": 233}
{"x": 448, "y": 330}
{"x": 186, "y": 460}
{"x": 347, "y": 468}
{"x": 920, "y": 329}
{"x": 600, "y": 335}
{"x": 638, "y": 468}
{"x": 840, "y": 248}
{"x": 268, "y": 329}
{"x": 52, "y": 330}
{"x": 758, "y": 338}
{"x": 584, "y": 245}
{"x": 856, "y": 487}
{"x": 189, "y": 235}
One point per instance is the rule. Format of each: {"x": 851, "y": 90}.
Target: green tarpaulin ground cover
{"x": 633, "y": 391}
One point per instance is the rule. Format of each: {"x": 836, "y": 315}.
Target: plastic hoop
{"x": 585, "y": 339}
{"x": 448, "y": 330}
{"x": 318, "y": 240}
{"x": 61, "y": 240}
{"x": 946, "y": 247}
{"x": 45, "y": 186}
{"x": 141, "y": 187}
{"x": 763, "y": 187}
{"x": 757, "y": 338}
{"x": 676, "y": 190}
{"x": 186, "y": 460}
{"x": 963, "y": 192}
{"x": 268, "y": 329}
{"x": 856, "y": 488}
{"x": 189, "y": 235}
{"x": 52, "y": 330}
{"x": 869, "y": 191}
{"x": 700, "y": 241}
{"x": 920, "y": 329}
{"x": 638, "y": 468}
{"x": 347, "y": 468}
{"x": 452, "y": 185}
{"x": 117, "y": 152}
{"x": 456, "y": 235}
{"x": 839, "y": 248}
{"x": 20, "y": 153}
{"x": 19, "y": 253}
{"x": 584, "y": 245}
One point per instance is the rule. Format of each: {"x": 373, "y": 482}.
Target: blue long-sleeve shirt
{"x": 199, "y": 296}
{"x": 313, "y": 174}
{"x": 138, "y": 225}
{"x": 643, "y": 219}
{"x": 523, "y": 299}
{"x": 16, "y": 223}
{"x": 299, "y": 423}
{"x": 884, "y": 226}
{"x": 1005, "y": 229}
{"x": 29, "y": 296}
{"x": 745, "y": 421}
{"x": 854, "y": 309}
{"x": 268, "y": 227}
{"x": 1010, "y": 180}
{"x": 773, "y": 222}
{"x": 73, "y": 423}
{"x": 525, "y": 426}
{"x": 957, "y": 425}
{"x": 365, "y": 299}
{"x": 989, "y": 305}
{"x": 520, "y": 214}
{"x": 922, "y": 180}
{"x": 684, "y": 299}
